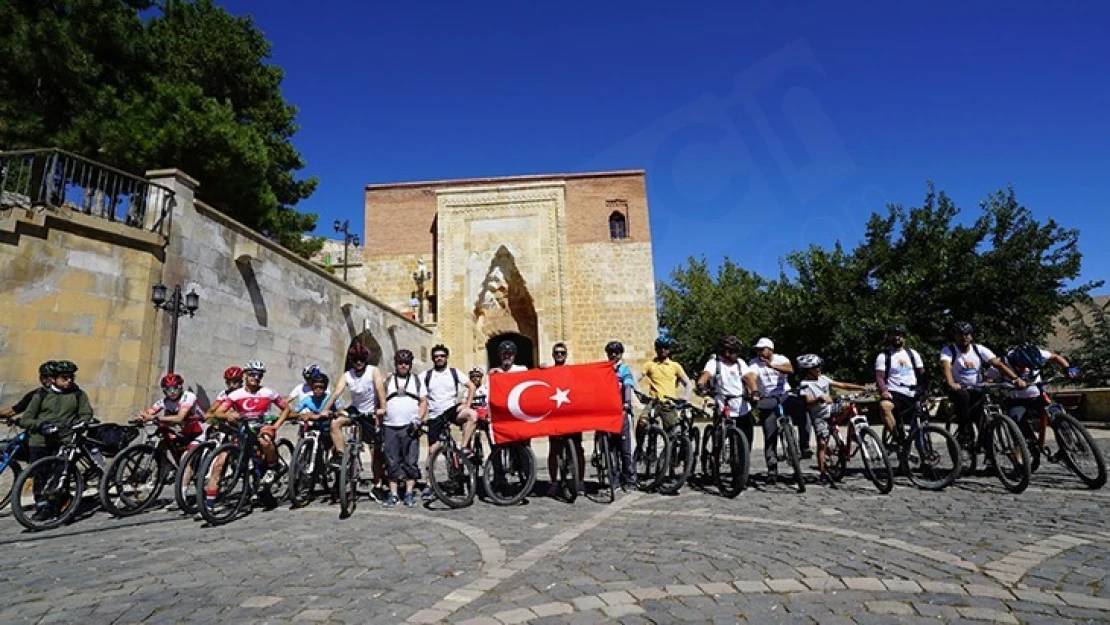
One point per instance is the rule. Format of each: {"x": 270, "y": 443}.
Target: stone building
{"x": 535, "y": 259}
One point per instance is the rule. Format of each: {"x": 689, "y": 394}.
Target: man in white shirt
{"x": 899, "y": 371}
{"x": 962, "y": 363}
{"x": 406, "y": 405}
{"x": 731, "y": 379}
{"x": 443, "y": 382}
{"x": 771, "y": 371}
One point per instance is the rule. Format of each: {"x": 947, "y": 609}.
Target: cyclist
{"x": 771, "y": 370}
{"x": 251, "y": 403}
{"x": 62, "y": 405}
{"x": 46, "y": 379}
{"x": 816, "y": 388}
{"x": 480, "y": 403}
{"x": 442, "y": 383}
{"x": 178, "y": 407}
{"x": 614, "y": 351}
{"x": 555, "y": 443}
{"x": 507, "y": 351}
{"x": 364, "y": 381}
{"x": 301, "y": 391}
{"x": 663, "y": 374}
{"x": 311, "y": 406}
{"x": 1028, "y": 361}
{"x": 233, "y": 380}
{"x": 729, "y": 376}
{"x": 962, "y": 363}
{"x": 899, "y": 372}
{"x": 406, "y": 405}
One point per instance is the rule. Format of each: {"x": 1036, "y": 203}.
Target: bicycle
{"x": 1076, "y": 447}
{"x": 350, "y": 470}
{"x": 725, "y": 450}
{"x": 509, "y": 473}
{"x": 14, "y": 449}
{"x": 53, "y": 487}
{"x": 136, "y": 477}
{"x": 838, "y": 452}
{"x": 451, "y": 474}
{"x": 786, "y": 439}
{"x": 682, "y": 442}
{"x": 653, "y": 447}
{"x": 997, "y": 437}
{"x": 566, "y": 465}
{"x": 927, "y": 454}
{"x": 239, "y": 477}
{"x": 188, "y": 481}
{"x": 310, "y": 461}
{"x": 606, "y": 461}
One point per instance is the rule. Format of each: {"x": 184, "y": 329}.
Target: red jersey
{"x": 252, "y": 406}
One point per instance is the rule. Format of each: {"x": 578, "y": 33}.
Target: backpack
{"x": 916, "y": 364}
{"x": 1026, "y": 357}
{"x": 403, "y": 391}
{"x": 983, "y": 364}
{"x": 454, "y": 376}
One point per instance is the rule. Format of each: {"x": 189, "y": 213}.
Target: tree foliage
{"x": 1004, "y": 271}
{"x": 190, "y": 86}
{"x": 1090, "y": 328}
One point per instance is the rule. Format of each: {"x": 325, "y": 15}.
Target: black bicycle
{"x": 361, "y": 428}
{"x": 725, "y": 450}
{"x": 786, "y": 438}
{"x": 995, "y": 436}
{"x": 136, "y": 477}
{"x": 236, "y": 469}
{"x": 451, "y": 474}
{"x": 509, "y": 473}
{"x": 653, "y": 447}
{"x": 682, "y": 443}
{"x": 606, "y": 463}
{"x": 188, "y": 481}
{"x": 566, "y": 469}
{"x": 927, "y": 454}
{"x": 310, "y": 461}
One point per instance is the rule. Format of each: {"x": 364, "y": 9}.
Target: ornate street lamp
{"x": 178, "y": 306}
{"x": 344, "y": 228}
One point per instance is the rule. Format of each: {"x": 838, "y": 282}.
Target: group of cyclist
{"x": 396, "y": 409}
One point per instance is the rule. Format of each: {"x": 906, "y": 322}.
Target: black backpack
{"x": 454, "y": 375}
{"x": 983, "y": 364}
{"x": 916, "y": 364}
{"x": 402, "y": 390}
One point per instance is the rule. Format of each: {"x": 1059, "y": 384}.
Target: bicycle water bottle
{"x": 98, "y": 458}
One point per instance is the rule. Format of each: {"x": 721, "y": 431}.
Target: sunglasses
{"x": 253, "y": 374}
{"x": 64, "y": 376}
{"x": 319, "y": 387}
{"x": 559, "y": 353}
{"x": 404, "y": 364}
{"x": 171, "y": 389}
{"x": 438, "y": 356}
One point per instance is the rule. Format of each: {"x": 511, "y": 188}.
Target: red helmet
{"x": 233, "y": 373}
{"x": 172, "y": 379}
{"x": 358, "y": 351}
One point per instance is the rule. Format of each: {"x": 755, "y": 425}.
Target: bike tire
{"x": 229, "y": 501}
{"x": 302, "y": 472}
{"x": 137, "y": 467}
{"x": 695, "y": 442}
{"x": 942, "y": 452}
{"x": 708, "y": 471}
{"x": 280, "y": 487}
{"x": 836, "y": 453}
{"x": 1007, "y": 447}
{"x": 511, "y": 460}
{"x": 793, "y": 454}
{"x": 679, "y": 463}
{"x": 1032, "y": 442}
{"x": 567, "y": 463}
{"x": 8, "y": 476}
{"x": 966, "y": 438}
{"x": 452, "y": 477}
{"x": 731, "y": 472}
{"x": 1075, "y": 442}
{"x": 876, "y": 462}
{"x": 348, "y": 480}
{"x": 64, "y": 483}
{"x": 185, "y": 481}
{"x": 601, "y": 461}
{"x": 652, "y": 457}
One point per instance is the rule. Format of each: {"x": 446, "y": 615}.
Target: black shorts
{"x": 903, "y": 406}
{"x": 440, "y": 424}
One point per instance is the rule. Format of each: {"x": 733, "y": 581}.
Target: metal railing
{"x": 59, "y": 180}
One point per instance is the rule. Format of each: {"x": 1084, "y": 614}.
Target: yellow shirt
{"x": 663, "y": 378}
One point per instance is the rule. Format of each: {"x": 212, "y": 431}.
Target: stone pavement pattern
{"x": 973, "y": 553}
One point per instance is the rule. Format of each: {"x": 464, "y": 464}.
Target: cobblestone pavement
{"x": 973, "y": 553}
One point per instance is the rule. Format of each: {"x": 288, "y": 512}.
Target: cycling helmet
{"x": 963, "y": 327}
{"x": 358, "y": 351}
{"x": 664, "y": 341}
{"x": 731, "y": 343}
{"x": 233, "y": 373}
{"x": 255, "y": 365}
{"x": 47, "y": 369}
{"x": 477, "y": 371}
{"x": 310, "y": 371}
{"x": 897, "y": 329}
{"x": 809, "y": 361}
{"x": 403, "y": 355}
{"x": 319, "y": 378}
{"x": 506, "y": 346}
{"x": 172, "y": 379}
{"x": 614, "y": 346}
{"x": 64, "y": 367}
{"x": 440, "y": 348}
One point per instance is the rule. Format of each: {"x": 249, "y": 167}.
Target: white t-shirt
{"x": 443, "y": 393}
{"x": 771, "y": 382}
{"x": 730, "y": 382}
{"x": 512, "y": 369}
{"x": 364, "y": 396}
{"x": 903, "y": 376}
{"x": 402, "y": 404}
{"x": 1033, "y": 390}
{"x": 820, "y": 387}
{"x": 298, "y": 393}
{"x": 966, "y": 367}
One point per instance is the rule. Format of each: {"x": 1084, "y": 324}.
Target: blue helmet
{"x": 664, "y": 341}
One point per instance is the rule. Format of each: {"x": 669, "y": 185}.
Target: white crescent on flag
{"x": 514, "y": 401}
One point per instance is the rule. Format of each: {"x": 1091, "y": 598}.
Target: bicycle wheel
{"x": 133, "y": 481}
{"x": 1032, "y": 442}
{"x": 567, "y": 463}
{"x": 652, "y": 457}
{"x": 8, "y": 475}
{"x": 452, "y": 477}
{"x": 876, "y": 462}
{"x": 601, "y": 461}
{"x": 509, "y": 473}
{"x": 931, "y": 458}
{"x": 679, "y": 462}
{"x": 707, "y": 455}
{"x": 185, "y": 481}
{"x": 1009, "y": 453}
{"x": 348, "y": 480}
{"x": 965, "y": 438}
{"x": 303, "y": 472}
{"x": 695, "y": 442}
{"x": 731, "y": 472}
{"x": 47, "y": 493}
{"x": 835, "y": 455}
{"x": 230, "y": 474}
{"x": 789, "y": 438}
{"x": 1079, "y": 451}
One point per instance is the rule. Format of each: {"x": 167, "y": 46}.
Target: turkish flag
{"x": 553, "y": 401}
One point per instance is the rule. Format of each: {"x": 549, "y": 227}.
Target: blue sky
{"x": 763, "y": 129}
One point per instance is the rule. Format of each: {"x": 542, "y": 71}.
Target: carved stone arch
{"x": 504, "y": 305}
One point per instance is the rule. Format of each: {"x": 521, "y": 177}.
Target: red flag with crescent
{"x": 554, "y": 401}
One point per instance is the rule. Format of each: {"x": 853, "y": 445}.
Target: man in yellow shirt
{"x": 663, "y": 376}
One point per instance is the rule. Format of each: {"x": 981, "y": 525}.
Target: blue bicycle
{"x": 9, "y": 465}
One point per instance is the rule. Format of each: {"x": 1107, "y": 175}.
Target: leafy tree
{"x": 189, "y": 87}
{"x": 1090, "y": 328}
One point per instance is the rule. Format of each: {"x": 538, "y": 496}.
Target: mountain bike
{"x": 509, "y": 473}
{"x": 838, "y": 451}
{"x": 927, "y": 454}
{"x": 451, "y": 474}
{"x": 14, "y": 449}
{"x": 996, "y": 436}
{"x": 136, "y": 476}
{"x": 236, "y": 468}
{"x": 1077, "y": 449}
{"x": 310, "y": 460}
{"x": 725, "y": 450}
{"x": 653, "y": 446}
{"x": 188, "y": 481}
{"x": 350, "y": 471}
{"x": 786, "y": 439}
{"x": 606, "y": 462}
{"x": 566, "y": 467}
{"x": 682, "y": 441}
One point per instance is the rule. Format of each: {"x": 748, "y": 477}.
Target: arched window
{"x": 618, "y": 226}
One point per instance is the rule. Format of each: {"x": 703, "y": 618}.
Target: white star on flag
{"x": 561, "y": 396}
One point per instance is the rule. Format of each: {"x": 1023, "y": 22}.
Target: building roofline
{"x": 504, "y": 179}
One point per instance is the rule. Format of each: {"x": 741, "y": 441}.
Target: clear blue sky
{"x": 762, "y": 129}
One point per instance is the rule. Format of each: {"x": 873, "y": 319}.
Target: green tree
{"x": 190, "y": 87}
{"x": 1090, "y": 328}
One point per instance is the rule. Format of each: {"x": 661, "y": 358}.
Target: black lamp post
{"x": 344, "y": 228}
{"x": 420, "y": 276}
{"x": 178, "y": 306}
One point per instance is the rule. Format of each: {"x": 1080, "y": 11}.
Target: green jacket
{"x": 61, "y": 409}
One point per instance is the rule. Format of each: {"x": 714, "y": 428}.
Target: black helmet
{"x": 64, "y": 367}
{"x": 403, "y": 355}
{"x": 897, "y": 329}
{"x": 614, "y": 346}
{"x": 731, "y": 343}
{"x": 506, "y": 346}
{"x": 963, "y": 327}
{"x": 320, "y": 378}
{"x": 664, "y": 341}
{"x": 47, "y": 369}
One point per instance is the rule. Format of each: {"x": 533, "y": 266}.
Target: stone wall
{"x": 76, "y": 287}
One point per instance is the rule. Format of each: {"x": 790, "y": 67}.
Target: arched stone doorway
{"x": 525, "y": 350}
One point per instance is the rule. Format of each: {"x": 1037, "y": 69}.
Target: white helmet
{"x": 255, "y": 365}
{"x": 809, "y": 361}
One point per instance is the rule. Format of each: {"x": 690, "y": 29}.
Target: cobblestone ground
{"x": 971, "y": 553}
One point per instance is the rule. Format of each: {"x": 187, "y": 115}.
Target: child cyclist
{"x": 816, "y": 388}
{"x": 178, "y": 407}
{"x": 311, "y": 406}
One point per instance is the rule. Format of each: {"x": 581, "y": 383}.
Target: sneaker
{"x": 390, "y": 501}
{"x": 268, "y": 477}
{"x": 427, "y": 494}
{"x": 552, "y": 490}
{"x": 828, "y": 482}
{"x": 772, "y": 476}
{"x": 467, "y": 452}
{"x": 410, "y": 499}
{"x": 807, "y": 454}
{"x": 42, "y": 513}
